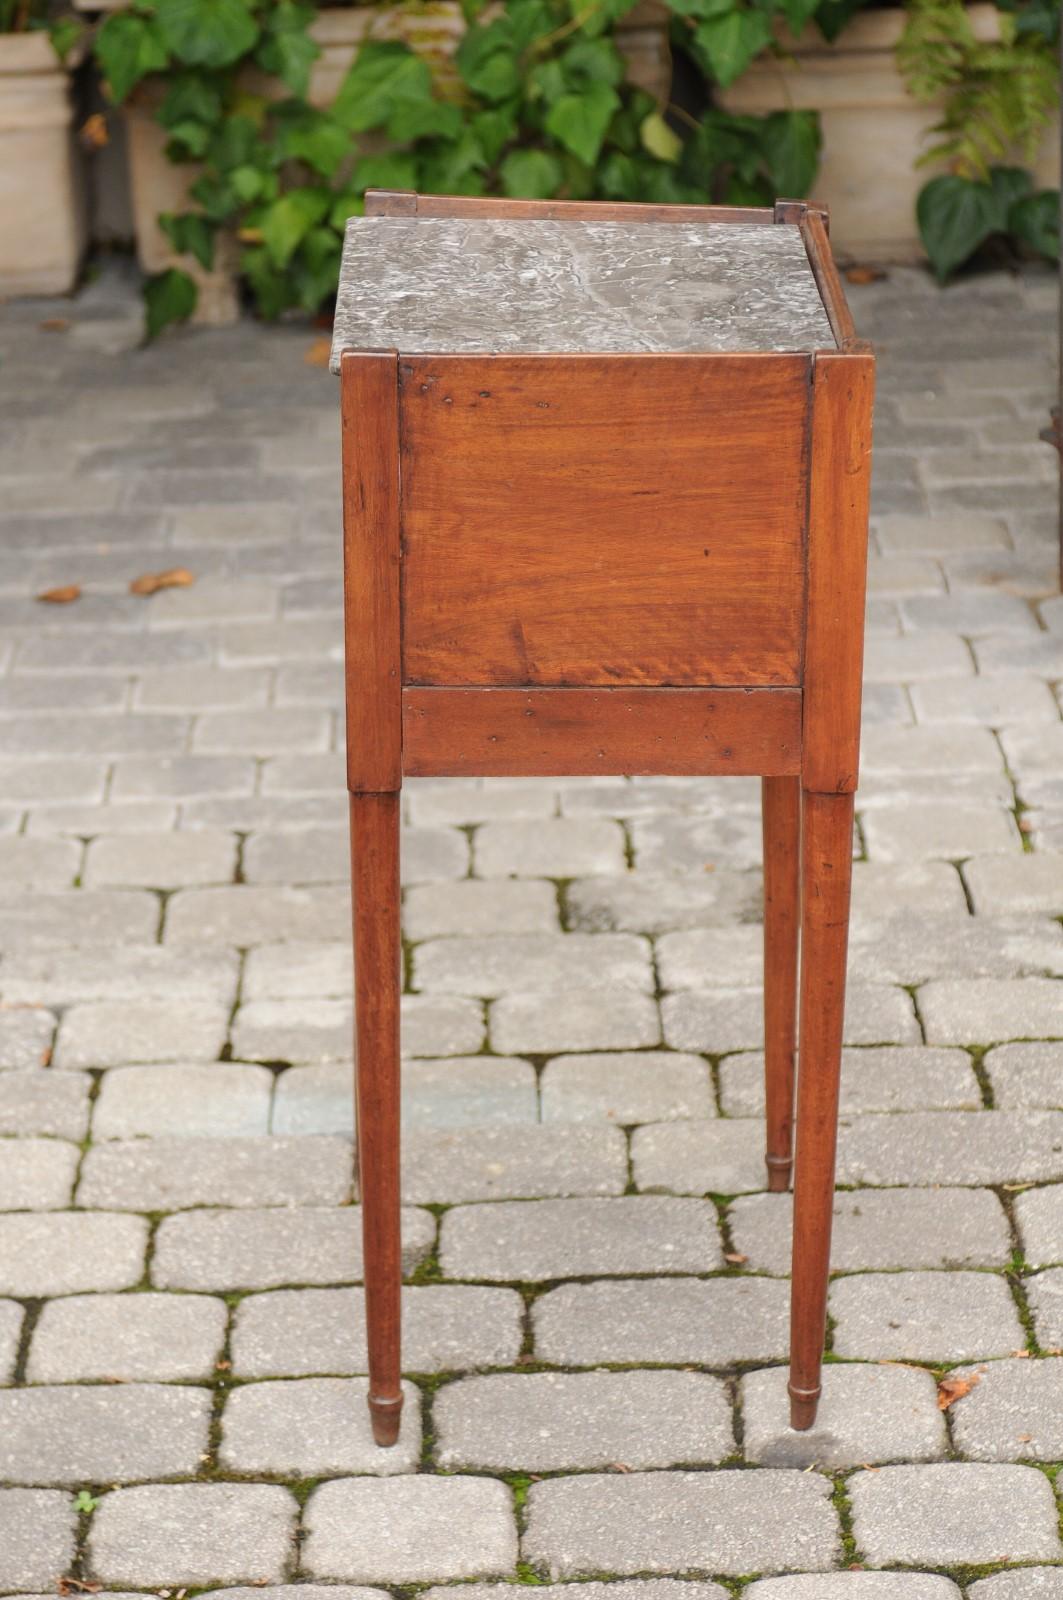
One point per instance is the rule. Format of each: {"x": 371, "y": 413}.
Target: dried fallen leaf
{"x": 94, "y": 133}
{"x": 862, "y": 274}
{"x": 61, "y": 596}
{"x": 54, "y": 324}
{"x": 735, "y": 1258}
{"x": 173, "y": 578}
{"x": 1024, "y": 1438}
{"x": 317, "y": 354}
{"x": 620, "y": 1466}
{"x": 70, "y": 1585}
{"x": 46, "y": 1056}
{"x": 223, "y": 1366}
{"x": 952, "y": 1389}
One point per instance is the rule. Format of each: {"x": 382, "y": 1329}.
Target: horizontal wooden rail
{"x": 573, "y": 732}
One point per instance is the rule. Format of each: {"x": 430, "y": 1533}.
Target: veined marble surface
{"x": 433, "y": 285}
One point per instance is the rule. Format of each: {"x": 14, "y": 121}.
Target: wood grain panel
{"x": 572, "y": 732}
{"x": 595, "y": 520}
{"x": 403, "y": 203}
{"x": 369, "y": 398}
{"x": 843, "y": 391}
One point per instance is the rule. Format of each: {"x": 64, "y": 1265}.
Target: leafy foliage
{"x": 958, "y": 215}
{"x": 541, "y": 108}
{"x": 999, "y": 94}
{"x": 998, "y": 97}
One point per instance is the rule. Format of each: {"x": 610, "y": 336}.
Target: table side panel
{"x": 594, "y": 520}
{"x": 576, "y": 732}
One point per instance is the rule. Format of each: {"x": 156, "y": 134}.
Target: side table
{"x": 605, "y": 481}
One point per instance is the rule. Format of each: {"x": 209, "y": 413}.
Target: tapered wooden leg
{"x": 377, "y": 951}
{"x": 781, "y": 810}
{"x": 826, "y": 873}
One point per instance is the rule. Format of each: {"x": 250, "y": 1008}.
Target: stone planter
{"x": 873, "y": 131}
{"x": 42, "y": 232}
{"x": 432, "y": 28}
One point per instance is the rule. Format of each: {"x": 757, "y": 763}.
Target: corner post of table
{"x": 840, "y": 472}
{"x": 369, "y": 402}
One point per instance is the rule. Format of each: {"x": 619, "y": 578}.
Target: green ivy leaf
{"x": 425, "y": 119}
{"x": 207, "y": 33}
{"x": 248, "y": 183}
{"x": 235, "y": 144}
{"x": 730, "y": 42}
{"x": 790, "y": 141}
{"x": 494, "y": 129}
{"x": 215, "y": 195}
{"x": 168, "y": 297}
{"x": 128, "y": 47}
{"x": 531, "y": 174}
{"x": 315, "y": 138}
{"x": 191, "y": 234}
{"x": 188, "y": 140}
{"x": 287, "y": 50}
{"x": 190, "y": 97}
{"x": 64, "y": 34}
{"x": 271, "y": 287}
{"x": 955, "y": 216}
{"x": 579, "y": 121}
{"x": 657, "y": 137}
{"x": 1034, "y": 220}
{"x": 487, "y": 59}
{"x": 596, "y": 19}
{"x": 1008, "y": 185}
{"x": 798, "y": 13}
{"x": 348, "y": 205}
{"x": 389, "y": 171}
{"x": 384, "y": 76}
{"x": 455, "y": 169}
{"x": 316, "y": 267}
{"x": 592, "y": 61}
{"x": 289, "y": 219}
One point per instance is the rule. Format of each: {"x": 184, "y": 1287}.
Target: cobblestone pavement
{"x": 596, "y": 1322}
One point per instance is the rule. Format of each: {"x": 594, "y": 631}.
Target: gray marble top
{"x": 433, "y": 285}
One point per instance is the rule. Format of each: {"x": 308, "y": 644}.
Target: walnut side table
{"x": 605, "y": 479}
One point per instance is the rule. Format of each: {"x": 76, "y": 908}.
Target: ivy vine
{"x": 541, "y": 109}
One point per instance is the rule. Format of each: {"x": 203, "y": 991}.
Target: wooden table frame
{"x": 432, "y": 691}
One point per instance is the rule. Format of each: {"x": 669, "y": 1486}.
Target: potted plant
{"x": 886, "y": 82}
{"x": 40, "y": 251}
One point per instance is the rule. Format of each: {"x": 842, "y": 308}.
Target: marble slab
{"x": 425, "y": 285}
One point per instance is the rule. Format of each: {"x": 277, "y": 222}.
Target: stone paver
{"x": 579, "y": 1238}
{"x": 193, "y": 1533}
{"x": 549, "y": 1421}
{"x": 714, "y": 1322}
{"x": 51, "y": 1103}
{"x": 10, "y": 1333}
{"x": 71, "y": 1435}
{"x": 170, "y": 1174}
{"x": 445, "y": 1328}
{"x": 579, "y": 1019}
{"x": 584, "y": 970}
{"x": 948, "y": 1514}
{"x": 924, "y": 1316}
{"x": 265, "y": 1249}
{"x": 856, "y": 1586}
{"x": 874, "y": 1078}
{"x": 1014, "y": 1412}
{"x": 410, "y": 1530}
{"x": 626, "y": 1087}
{"x": 215, "y": 1100}
{"x": 314, "y": 1427}
{"x": 37, "y": 1174}
{"x": 105, "y": 1034}
{"x": 456, "y": 1092}
{"x": 127, "y": 1338}
{"x": 38, "y": 1532}
{"x": 25, "y": 1038}
{"x": 54, "y": 1253}
{"x": 724, "y": 1522}
{"x": 1026, "y": 1075}
{"x": 866, "y": 1414}
{"x": 882, "y": 1230}
{"x": 1031, "y": 1583}
{"x": 447, "y": 1166}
